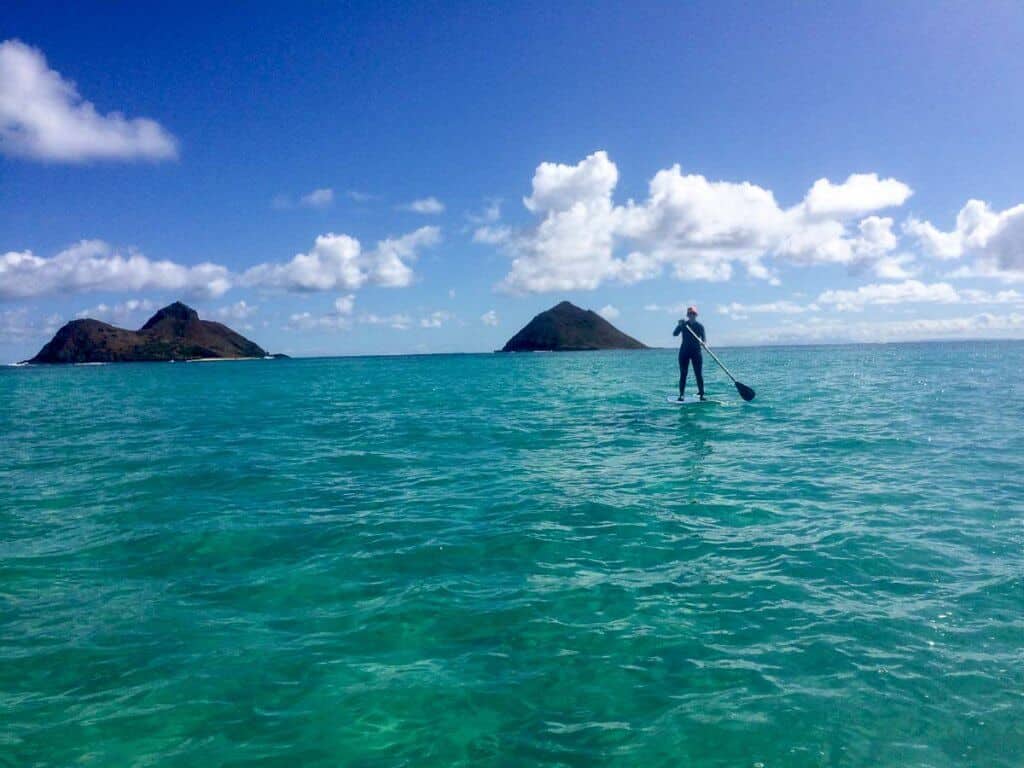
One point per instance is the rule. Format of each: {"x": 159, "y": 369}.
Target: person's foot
{"x": 702, "y": 397}
{"x": 682, "y": 399}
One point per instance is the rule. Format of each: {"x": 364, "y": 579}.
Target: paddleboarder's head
{"x": 691, "y": 312}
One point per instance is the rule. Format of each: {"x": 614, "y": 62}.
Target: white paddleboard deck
{"x": 692, "y": 400}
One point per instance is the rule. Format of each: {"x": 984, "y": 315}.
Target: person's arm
{"x": 679, "y": 328}
{"x": 703, "y": 336}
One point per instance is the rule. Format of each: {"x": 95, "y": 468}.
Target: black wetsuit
{"x": 690, "y": 352}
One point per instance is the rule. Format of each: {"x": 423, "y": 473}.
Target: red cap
{"x": 690, "y": 309}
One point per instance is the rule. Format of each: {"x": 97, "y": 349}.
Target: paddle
{"x": 746, "y": 392}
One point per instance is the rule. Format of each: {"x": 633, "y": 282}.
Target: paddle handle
{"x": 699, "y": 339}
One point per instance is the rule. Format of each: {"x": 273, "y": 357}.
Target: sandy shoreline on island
{"x": 218, "y": 359}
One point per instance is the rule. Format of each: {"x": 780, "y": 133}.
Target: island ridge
{"x": 173, "y": 333}
{"x": 567, "y": 328}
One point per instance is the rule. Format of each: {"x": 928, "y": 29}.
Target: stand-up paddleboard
{"x": 694, "y": 400}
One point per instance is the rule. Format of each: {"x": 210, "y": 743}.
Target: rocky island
{"x": 173, "y": 333}
{"x": 565, "y": 327}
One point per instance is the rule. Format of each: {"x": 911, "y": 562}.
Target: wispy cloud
{"x": 399, "y": 322}
{"x": 430, "y": 206}
{"x": 361, "y": 197}
{"x": 490, "y": 213}
{"x": 306, "y": 321}
{"x": 318, "y": 198}
{"x": 822, "y": 329}
{"x": 18, "y": 325}
{"x": 345, "y": 305}
{"x": 913, "y": 292}
{"x": 240, "y": 310}
{"x": 737, "y": 309}
{"x": 435, "y": 319}
{"x": 337, "y": 320}
{"x": 119, "y": 312}
{"x": 878, "y": 295}
{"x": 670, "y": 309}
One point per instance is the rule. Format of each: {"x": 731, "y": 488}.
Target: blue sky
{"x": 426, "y": 177}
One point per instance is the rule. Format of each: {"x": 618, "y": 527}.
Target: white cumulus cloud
{"x": 861, "y": 193}
{"x": 339, "y": 262}
{"x": 335, "y": 261}
{"x": 93, "y": 265}
{"x": 697, "y": 228}
{"x": 994, "y": 238}
{"x": 42, "y": 116}
{"x": 608, "y": 312}
{"x": 572, "y": 247}
{"x": 490, "y": 317}
{"x": 390, "y": 260}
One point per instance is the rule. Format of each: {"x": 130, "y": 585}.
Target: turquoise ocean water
{"x": 497, "y": 560}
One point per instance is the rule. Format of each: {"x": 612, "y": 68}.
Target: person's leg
{"x": 698, "y": 372}
{"x": 684, "y": 368}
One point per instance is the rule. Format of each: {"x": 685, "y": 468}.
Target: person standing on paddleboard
{"x": 690, "y": 352}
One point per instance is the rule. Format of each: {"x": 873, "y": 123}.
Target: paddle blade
{"x": 745, "y": 392}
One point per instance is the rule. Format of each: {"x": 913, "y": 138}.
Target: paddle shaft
{"x": 699, "y": 339}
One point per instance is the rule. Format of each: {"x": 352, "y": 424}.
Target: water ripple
{"x": 495, "y": 560}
